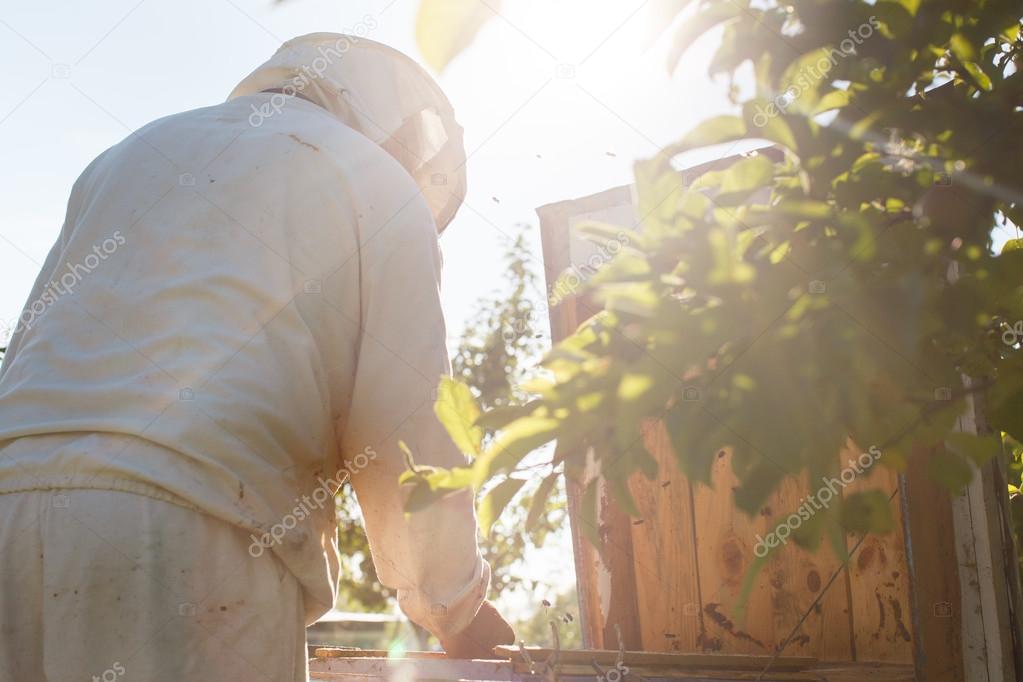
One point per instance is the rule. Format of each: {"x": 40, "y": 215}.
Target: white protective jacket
{"x": 242, "y": 308}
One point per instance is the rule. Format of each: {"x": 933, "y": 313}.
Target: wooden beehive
{"x": 670, "y": 579}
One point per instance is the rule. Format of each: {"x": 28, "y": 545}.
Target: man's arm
{"x": 431, "y": 557}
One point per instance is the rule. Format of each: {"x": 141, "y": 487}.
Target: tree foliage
{"x": 842, "y": 286}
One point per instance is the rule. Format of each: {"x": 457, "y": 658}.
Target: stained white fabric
{"x": 102, "y": 585}
{"x": 384, "y": 95}
{"x": 235, "y": 317}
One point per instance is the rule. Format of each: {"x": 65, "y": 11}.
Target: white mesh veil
{"x": 384, "y": 95}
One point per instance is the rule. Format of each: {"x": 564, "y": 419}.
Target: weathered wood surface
{"x": 609, "y": 657}
{"x": 934, "y": 578}
{"x": 690, "y": 549}
{"x": 879, "y": 580}
{"x": 664, "y": 542}
{"x": 578, "y": 666}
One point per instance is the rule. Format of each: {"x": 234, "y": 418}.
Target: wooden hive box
{"x": 670, "y": 580}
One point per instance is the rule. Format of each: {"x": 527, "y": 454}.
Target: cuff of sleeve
{"x": 449, "y": 616}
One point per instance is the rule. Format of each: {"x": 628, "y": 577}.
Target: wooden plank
{"x": 987, "y": 628}
{"x": 618, "y": 585}
{"x": 786, "y": 588}
{"x": 798, "y": 577}
{"x": 348, "y": 652}
{"x": 882, "y": 615}
{"x": 664, "y": 542}
{"x": 609, "y": 657}
{"x": 726, "y": 539}
{"x": 934, "y": 577}
{"x": 606, "y": 583}
{"x": 374, "y": 670}
{"x": 353, "y": 669}
{"x": 564, "y": 320}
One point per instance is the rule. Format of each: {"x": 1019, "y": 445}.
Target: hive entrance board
{"x": 577, "y": 665}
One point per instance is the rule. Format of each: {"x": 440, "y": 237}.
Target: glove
{"x": 487, "y": 630}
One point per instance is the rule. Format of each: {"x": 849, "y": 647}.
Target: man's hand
{"x": 487, "y": 630}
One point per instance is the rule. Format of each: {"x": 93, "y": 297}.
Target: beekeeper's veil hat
{"x": 384, "y": 95}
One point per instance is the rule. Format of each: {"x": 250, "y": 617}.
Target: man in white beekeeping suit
{"x": 241, "y": 310}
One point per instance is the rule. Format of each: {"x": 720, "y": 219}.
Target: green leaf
{"x": 694, "y": 27}
{"x": 457, "y": 410}
{"x": 539, "y": 502}
{"x": 710, "y": 132}
{"x": 421, "y": 497}
{"x": 495, "y": 501}
{"x": 764, "y": 119}
{"x": 739, "y": 180}
{"x": 962, "y": 47}
{"x": 950, "y": 470}
{"x": 520, "y": 438}
{"x": 982, "y": 80}
{"x": 867, "y": 512}
{"x": 620, "y": 491}
{"x": 409, "y": 461}
{"x": 971, "y": 446}
{"x": 833, "y": 99}
{"x": 499, "y": 417}
{"x": 446, "y": 27}
{"x": 1012, "y": 245}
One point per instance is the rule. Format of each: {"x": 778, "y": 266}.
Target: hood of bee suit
{"x": 384, "y": 95}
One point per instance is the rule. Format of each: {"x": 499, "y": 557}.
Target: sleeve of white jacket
{"x": 430, "y": 557}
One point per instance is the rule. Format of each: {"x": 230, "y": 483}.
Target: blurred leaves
{"x": 446, "y": 27}
{"x": 457, "y": 410}
{"x": 841, "y": 284}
